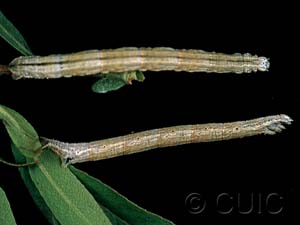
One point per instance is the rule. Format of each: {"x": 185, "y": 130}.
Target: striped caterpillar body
{"x": 71, "y": 153}
{"x": 132, "y": 59}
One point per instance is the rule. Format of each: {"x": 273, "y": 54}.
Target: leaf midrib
{"x": 61, "y": 193}
{"x": 26, "y": 51}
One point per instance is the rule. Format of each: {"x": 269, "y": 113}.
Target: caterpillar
{"x": 93, "y": 62}
{"x": 71, "y": 153}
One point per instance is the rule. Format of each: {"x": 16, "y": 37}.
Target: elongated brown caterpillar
{"x": 132, "y": 59}
{"x": 81, "y": 152}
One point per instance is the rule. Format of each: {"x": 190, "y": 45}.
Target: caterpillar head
{"x": 264, "y": 64}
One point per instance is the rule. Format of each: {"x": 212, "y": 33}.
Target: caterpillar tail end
{"x": 264, "y": 64}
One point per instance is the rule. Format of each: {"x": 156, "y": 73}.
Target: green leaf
{"x": 20, "y": 131}
{"x": 40, "y": 201}
{"x": 115, "y": 220}
{"x": 107, "y": 84}
{"x": 35, "y": 194}
{"x": 116, "y": 203}
{"x": 67, "y": 198}
{"x": 114, "y": 81}
{"x": 6, "y": 215}
{"x": 9, "y": 33}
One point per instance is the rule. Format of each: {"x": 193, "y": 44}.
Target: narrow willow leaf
{"x": 20, "y": 131}
{"x": 67, "y": 198}
{"x": 9, "y": 33}
{"x": 37, "y": 198}
{"x": 6, "y": 215}
{"x": 115, "y": 220}
{"x": 40, "y": 202}
{"x": 107, "y": 84}
{"x": 118, "y": 204}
